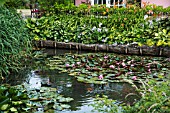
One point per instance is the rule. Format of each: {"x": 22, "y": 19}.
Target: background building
{"x": 123, "y": 3}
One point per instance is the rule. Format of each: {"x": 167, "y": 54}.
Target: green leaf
{"x": 2, "y": 2}
{"x": 13, "y": 109}
{"x": 4, "y": 107}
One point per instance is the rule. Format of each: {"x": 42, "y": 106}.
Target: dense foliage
{"x": 14, "y": 41}
{"x": 19, "y": 4}
{"x": 121, "y": 26}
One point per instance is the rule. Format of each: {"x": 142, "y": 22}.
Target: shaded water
{"x": 83, "y": 94}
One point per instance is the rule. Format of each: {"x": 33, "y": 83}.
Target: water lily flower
{"x": 149, "y": 90}
{"x": 149, "y": 70}
{"x": 112, "y": 66}
{"x": 100, "y": 77}
{"x": 132, "y": 65}
{"x": 78, "y": 63}
{"x": 105, "y": 57}
{"x": 123, "y": 64}
{"x": 117, "y": 63}
{"x": 129, "y": 62}
{"x": 134, "y": 78}
{"x": 67, "y": 65}
{"x": 73, "y": 65}
{"x": 129, "y": 73}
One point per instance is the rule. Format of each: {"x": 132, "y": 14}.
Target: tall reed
{"x": 14, "y": 41}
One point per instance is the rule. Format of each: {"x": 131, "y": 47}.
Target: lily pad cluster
{"x": 100, "y": 68}
{"x": 22, "y": 98}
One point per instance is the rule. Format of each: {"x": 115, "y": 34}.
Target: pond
{"x": 82, "y": 93}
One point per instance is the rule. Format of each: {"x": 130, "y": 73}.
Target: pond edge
{"x": 130, "y": 49}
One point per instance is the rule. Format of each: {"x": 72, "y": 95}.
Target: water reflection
{"x": 68, "y": 86}
{"x": 82, "y": 93}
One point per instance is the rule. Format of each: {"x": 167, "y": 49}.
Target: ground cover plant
{"x": 124, "y": 26}
{"x": 102, "y": 68}
{"x": 15, "y": 42}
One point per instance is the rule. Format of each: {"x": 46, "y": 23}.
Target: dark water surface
{"x": 83, "y": 94}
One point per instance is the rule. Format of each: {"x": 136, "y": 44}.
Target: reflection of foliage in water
{"x": 155, "y": 99}
{"x": 103, "y": 68}
{"x": 38, "y": 62}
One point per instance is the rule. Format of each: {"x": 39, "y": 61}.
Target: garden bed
{"x": 122, "y": 49}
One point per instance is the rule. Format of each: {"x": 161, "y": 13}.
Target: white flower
{"x": 79, "y": 36}
{"x": 106, "y": 30}
{"x": 99, "y": 30}
{"x": 100, "y": 24}
{"x": 158, "y": 19}
{"x": 94, "y": 28}
{"x": 145, "y": 17}
{"x": 150, "y": 22}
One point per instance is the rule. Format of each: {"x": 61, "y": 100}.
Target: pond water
{"x": 82, "y": 93}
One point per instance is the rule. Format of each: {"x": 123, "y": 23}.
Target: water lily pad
{"x": 65, "y": 99}
{"x": 112, "y": 66}
{"x": 65, "y": 106}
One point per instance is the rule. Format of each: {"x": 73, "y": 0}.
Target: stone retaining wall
{"x": 132, "y": 49}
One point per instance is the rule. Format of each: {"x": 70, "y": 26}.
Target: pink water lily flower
{"x": 78, "y": 63}
{"x": 129, "y": 62}
{"x": 134, "y": 78}
{"x": 73, "y": 65}
{"x": 100, "y": 77}
{"x": 123, "y": 64}
{"x": 129, "y": 73}
{"x": 149, "y": 70}
{"x": 132, "y": 65}
{"x": 105, "y": 57}
{"x": 112, "y": 66}
{"x": 67, "y": 65}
